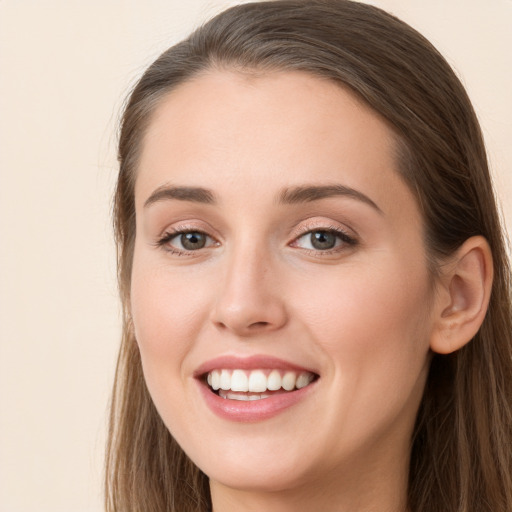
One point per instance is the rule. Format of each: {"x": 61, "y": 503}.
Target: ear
{"x": 462, "y": 297}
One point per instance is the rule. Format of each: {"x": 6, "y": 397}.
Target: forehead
{"x": 266, "y": 132}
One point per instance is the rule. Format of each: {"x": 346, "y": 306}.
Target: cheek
{"x": 365, "y": 305}
{"x": 168, "y": 312}
{"x": 373, "y": 324}
{"x": 373, "y": 327}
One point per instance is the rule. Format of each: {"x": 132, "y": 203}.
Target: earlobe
{"x": 462, "y": 302}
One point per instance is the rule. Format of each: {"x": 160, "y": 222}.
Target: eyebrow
{"x": 194, "y": 194}
{"x": 294, "y": 195}
{"x": 307, "y": 194}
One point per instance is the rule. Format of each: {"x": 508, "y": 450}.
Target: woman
{"x": 315, "y": 285}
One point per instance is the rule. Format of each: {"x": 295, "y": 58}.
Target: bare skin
{"x": 304, "y": 245}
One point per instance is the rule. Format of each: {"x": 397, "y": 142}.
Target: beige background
{"x": 65, "y": 67}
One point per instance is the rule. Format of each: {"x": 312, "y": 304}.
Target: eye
{"x": 186, "y": 241}
{"x": 323, "y": 240}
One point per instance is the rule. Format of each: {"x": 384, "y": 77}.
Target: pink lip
{"x": 248, "y": 363}
{"x": 252, "y": 411}
{"x": 256, "y": 410}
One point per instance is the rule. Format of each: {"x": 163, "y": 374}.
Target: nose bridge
{"x": 248, "y": 300}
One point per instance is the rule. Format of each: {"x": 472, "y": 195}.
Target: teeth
{"x": 303, "y": 380}
{"x": 225, "y": 380}
{"x": 243, "y": 398}
{"x": 239, "y": 381}
{"x": 215, "y": 380}
{"x": 256, "y": 381}
{"x": 274, "y": 381}
{"x": 289, "y": 381}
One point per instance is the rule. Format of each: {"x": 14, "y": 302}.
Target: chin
{"x": 264, "y": 467}
{"x": 258, "y": 479}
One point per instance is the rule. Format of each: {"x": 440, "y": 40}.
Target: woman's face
{"x": 277, "y": 247}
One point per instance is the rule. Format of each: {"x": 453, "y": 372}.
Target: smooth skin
{"x": 361, "y": 310}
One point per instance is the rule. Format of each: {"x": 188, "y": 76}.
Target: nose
{"x": 249, "y": 299}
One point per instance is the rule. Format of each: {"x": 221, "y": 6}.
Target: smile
{"x": 255, "y": 388}
{"x": 256, "y": 384}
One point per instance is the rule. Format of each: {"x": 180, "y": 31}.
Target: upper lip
{"x": 255, "y": 362}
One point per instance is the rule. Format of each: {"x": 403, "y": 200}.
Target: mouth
{"x": 257, "y": 384}
{"x": 255, "y": 388}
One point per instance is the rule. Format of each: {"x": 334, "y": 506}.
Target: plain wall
{"x": 65, "y": 68}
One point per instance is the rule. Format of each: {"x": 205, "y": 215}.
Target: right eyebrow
{"x": 310, "y": 193}
{"x": 194, "y": 194}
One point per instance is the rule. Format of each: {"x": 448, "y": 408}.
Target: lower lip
{"x": 252, "y": 410}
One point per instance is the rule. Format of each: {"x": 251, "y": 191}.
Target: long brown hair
{"x": 461, "y": 449}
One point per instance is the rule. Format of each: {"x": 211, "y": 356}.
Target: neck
{"x": 371, "y": 490}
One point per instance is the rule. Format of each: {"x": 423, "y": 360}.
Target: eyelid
{"x": 324, "y": 225}
{"x": 163, "y": 240}
{"x": 347, "y": 236}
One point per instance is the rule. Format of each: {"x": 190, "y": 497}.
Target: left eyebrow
{"x": 309, "y": 193}
{"x": 193, "y": 194}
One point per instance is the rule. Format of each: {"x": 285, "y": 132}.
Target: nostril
{"x": 248, "y": 316}
{"x": 251, "y": 328}
{"x": 258, "y": 325}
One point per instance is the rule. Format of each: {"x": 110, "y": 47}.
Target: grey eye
{"x": 192, "y": 241}
{"x": 323, "y": 240}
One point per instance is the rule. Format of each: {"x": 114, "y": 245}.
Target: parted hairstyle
{"x": 461, "y": 458}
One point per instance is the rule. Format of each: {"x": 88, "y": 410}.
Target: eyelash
{"x": 168, "y": 236}
{"x": 345, "y": 238}
{"x": 340, "y": 234}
